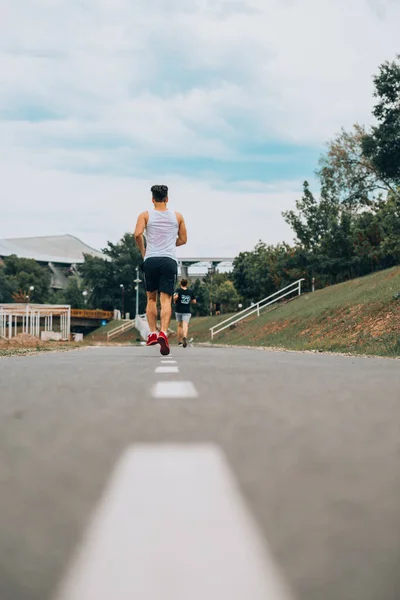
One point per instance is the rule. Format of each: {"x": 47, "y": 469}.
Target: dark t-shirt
{"x": 185, "y": 297}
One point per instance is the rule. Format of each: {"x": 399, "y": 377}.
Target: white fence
{"x": 33, "y": 318}
{"x": 120, "y": 330}
{"x": 293, "y": 288}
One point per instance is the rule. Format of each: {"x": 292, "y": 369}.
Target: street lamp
{"x": 31, "y": 288}
{"x": 121, "y": 285}
{"x": 211, "y": 273}
{"x": 137, "y": 281}
{"x": 84, "y": 294}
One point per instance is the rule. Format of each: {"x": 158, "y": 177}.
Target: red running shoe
{"x": 164, "y": 345}
{"x": 152, "y": 339}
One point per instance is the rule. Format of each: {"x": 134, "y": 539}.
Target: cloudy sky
{"x": 229, "y": 102}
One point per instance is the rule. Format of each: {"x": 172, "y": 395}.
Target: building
{"x": 60, "y": 253}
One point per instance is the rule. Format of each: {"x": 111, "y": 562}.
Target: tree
{"x": 201, "y": 293}
{"x": 5, "y": 289}
{"x": 313, "y": 219}
{"x": 266, "y": 269}
{"x": 73, "y": 294}
{"x": 98, "y": 278}
{"x": 20, "y": 274}
{"x": 215, "y": 288}
{"x": 388, "y": 226}
{"x": 382, "y": 145}
{"x": 353, "y": 227}
{"x": 226, "y": 294}
{"x": 103, "y": 278}
{"x": 252, "y": 274}
{"x": 346, "y": 174}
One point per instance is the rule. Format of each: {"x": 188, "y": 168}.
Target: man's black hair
{"x": 160, "y": 192}
{"x": 184, "y": 282}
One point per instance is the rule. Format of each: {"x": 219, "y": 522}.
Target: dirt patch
{"x": 390, "y": 275}
{"x": 275, "y": 327}
{"x": 271, "y": 328}
{"x": 351, "y": 322}
{"x": 378, "y": 325}
{"x": 22, "y": 340}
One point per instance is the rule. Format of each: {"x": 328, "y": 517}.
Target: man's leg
{"x": 168, "y": 272}
{"x": 151, "y": 270}
{"x": 180, "y": 331}
{"x": 151, "y": 311}
{"x": 186, "y": 320}
{"x": 166, "y": 311}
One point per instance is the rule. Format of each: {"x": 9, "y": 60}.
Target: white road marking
{"x": 172, "y": 525}
{"x": 174, "y": 389}
{"x": 167, "y": 370}
{"x": 169, "y": 362}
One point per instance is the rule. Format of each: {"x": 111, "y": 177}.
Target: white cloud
{"x": 101, "y": 208}
{"x": 297, "y": 70}
{"x": 133, "y": 79}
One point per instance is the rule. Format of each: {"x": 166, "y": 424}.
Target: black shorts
{"x": 160, "y": 274}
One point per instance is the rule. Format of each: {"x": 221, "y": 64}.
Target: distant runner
{"x": 183, "y": 298}
{"x": 165, "y": 230}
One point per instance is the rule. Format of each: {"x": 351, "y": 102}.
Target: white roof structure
{"x": 58, "y": 249}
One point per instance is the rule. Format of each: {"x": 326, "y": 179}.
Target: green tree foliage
{"x": 19, "y": 274}
{"x": 5, "y": 287}
{"x": 333, "y": 243}
{"x": 201, "y": 293}
{"x": 99, "y": 279}
{"x": 376, "y": 235}
{"x": 314, "y": 218}
{"x": 382, "y": 145}
{"x": 346, "y": 174}
{"x": 215, "y": 288}
{"x": 73, "y": 294}
{"x": 103, "y": 278}
{"x": 251, "y": 274}
{"x": 262, "y": 272}
{"x": 221, "y": 290}
{"x": 388, "y": 217}
{"x": 227, "y": 295}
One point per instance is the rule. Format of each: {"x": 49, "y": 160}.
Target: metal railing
{"x": 120, "y": 330}
{"x": 256, "y": 308}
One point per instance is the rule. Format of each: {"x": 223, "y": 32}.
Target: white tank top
{"x": 161, "y": 233}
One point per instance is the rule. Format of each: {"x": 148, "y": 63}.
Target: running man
{"x": 165, "y": 230}
{"x": 183, "y": 298}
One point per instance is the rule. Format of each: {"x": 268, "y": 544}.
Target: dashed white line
{"x": 172, "y": 525}
{"x": 167, "y": 370}
{"x": 174, "y": 389}
{"x": 168, "y": 362}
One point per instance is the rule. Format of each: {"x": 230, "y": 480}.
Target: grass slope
{"x": 100, "y": 334}
{"x": 358, "y": 316}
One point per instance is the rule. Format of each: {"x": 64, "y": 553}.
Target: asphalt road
{"x": 312, "y": 440}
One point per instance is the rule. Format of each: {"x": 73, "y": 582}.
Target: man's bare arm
{"x": 181, "y": 240}
{"x": 139, "y": 231}
{"x": 194, "y": 301}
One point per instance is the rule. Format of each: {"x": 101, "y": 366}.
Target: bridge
{"x": 90, "y": 318}
{"x": 210, "y": 262}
